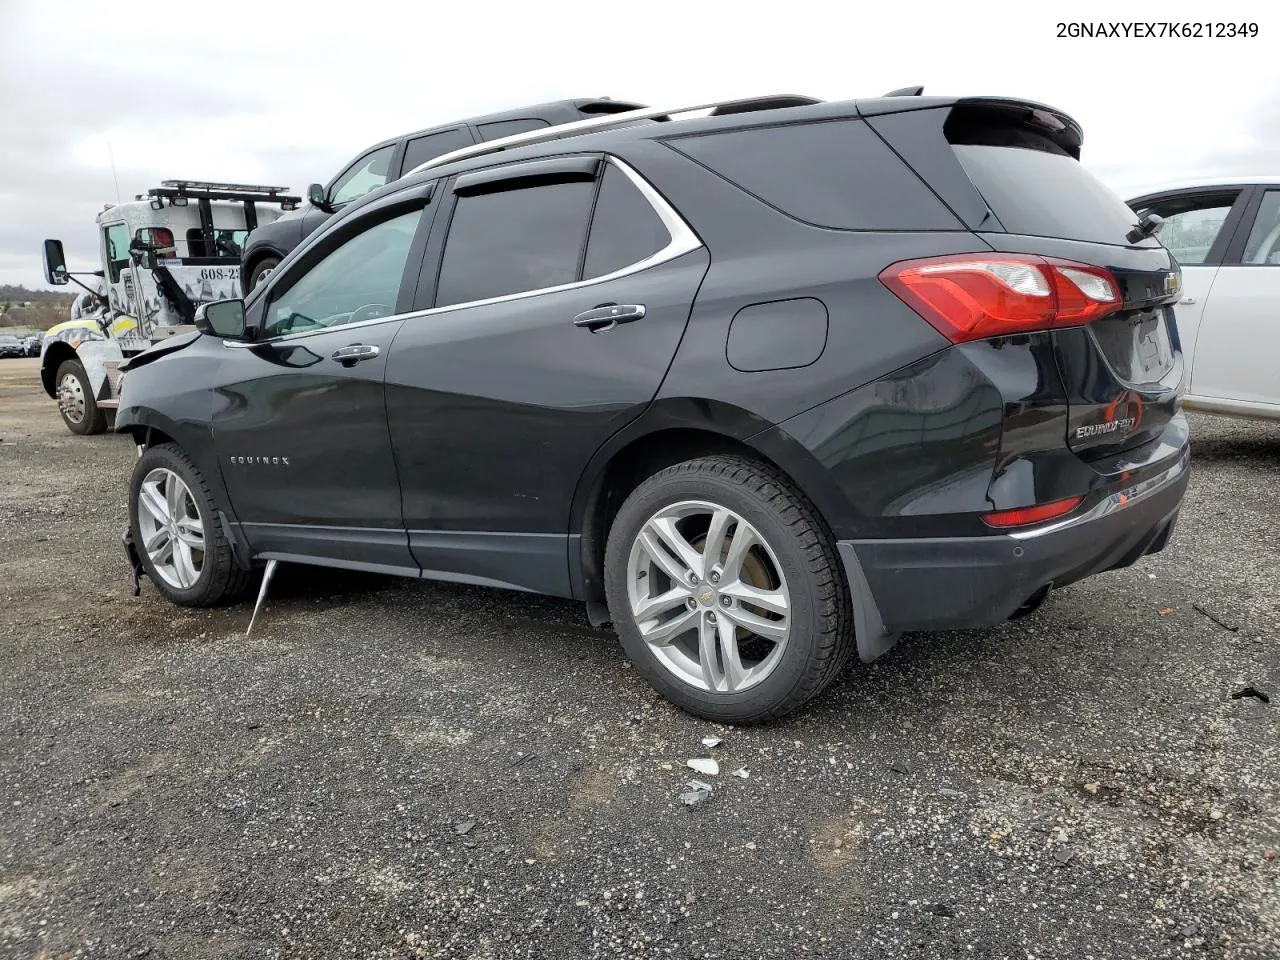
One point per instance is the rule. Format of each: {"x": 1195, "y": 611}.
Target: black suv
{"x": 389, "y": 160}
{"x": 759, "y": 387}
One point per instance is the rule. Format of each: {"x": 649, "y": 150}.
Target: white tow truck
{"x": 163, "y": 254}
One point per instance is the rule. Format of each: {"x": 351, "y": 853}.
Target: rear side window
{"x": 509, "y": 128}
{"x": 1263, "y": 245}
{"x": 624, "y": 230}
{"x": 514, "y": 241}
{"x": 421, "y": 149}
{"x": 836, "y": 174}
{"x": 1040, "y": 191}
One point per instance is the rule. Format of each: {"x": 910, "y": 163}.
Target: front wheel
{"x": 726, "y": 590}
{"x": 261, "y": 270}
{"x": 79, "y": 409}
{"x": 176, "y": 531}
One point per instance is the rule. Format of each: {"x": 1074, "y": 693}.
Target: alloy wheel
{"x": 708, "y": 596}
{"x": 170, "y": 528}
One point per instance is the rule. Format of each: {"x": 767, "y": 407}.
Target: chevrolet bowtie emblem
{"x": 707, "y": 596}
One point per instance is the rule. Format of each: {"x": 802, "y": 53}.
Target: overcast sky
{"x": 284, "y": 92}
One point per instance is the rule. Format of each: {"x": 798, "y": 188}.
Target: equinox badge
{"x": 1123, "y": 414}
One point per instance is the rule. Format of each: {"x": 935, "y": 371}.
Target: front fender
{"x": 171, "y": 398}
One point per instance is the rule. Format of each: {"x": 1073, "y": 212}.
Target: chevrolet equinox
{"x": 762, "y": 384}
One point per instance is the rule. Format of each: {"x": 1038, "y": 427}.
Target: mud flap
{"x": 135, "y": 561}
{"x": 868, "y": 628}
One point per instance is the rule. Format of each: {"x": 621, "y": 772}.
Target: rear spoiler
{"x": 972, "y": 119}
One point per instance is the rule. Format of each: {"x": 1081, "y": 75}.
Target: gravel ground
{"x": 392, "y": 769}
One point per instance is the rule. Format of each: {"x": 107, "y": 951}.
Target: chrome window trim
{"x": 683, "y": 240}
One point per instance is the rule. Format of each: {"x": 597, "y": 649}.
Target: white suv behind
{"x": 1226, "y": 235}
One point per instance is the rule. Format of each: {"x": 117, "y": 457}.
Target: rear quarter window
{"x": 837, "y": 174}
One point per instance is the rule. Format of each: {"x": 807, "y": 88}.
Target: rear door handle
{"x": 1187, "y": 300}
{"x": 606, "y": 316}
{"x": 349, "y": 356}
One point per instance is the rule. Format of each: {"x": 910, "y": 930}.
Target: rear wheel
{"x": 261, "y": 270}
{"x": 726, "y": 590}
{"x": 79, "y": 409}
{"x": 176, "y": 531}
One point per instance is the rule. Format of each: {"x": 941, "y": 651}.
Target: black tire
{"x": 94, "y": 418}
{"x": 821, "y": 626}
{"x": 261, "y": 270}
{"x": 220, "y": 580}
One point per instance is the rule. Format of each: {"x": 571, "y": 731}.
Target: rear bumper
{"x": 949, "y": 583}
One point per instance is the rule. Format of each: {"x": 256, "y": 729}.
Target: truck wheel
{"x": 80, "y": 411}
{"x": 176, "y": 531}
{"x": 726, "y": 590}
{"x": 261, "y": 270}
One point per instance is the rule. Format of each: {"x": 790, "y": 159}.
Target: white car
{"x": 1226, "y": 235}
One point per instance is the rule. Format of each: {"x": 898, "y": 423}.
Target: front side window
{"x": 117, "y": 240}
{"x": 512, "y": 241}
{"x": 367, "y": 173}
{"x": 359, "y": 280}
{"x": 1191, "y": 224}
{"x": 1263, "y": 245}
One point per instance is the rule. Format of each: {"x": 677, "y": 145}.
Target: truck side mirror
{"x": 143, "y": 253}
{"x": 222, "y": 318}
{"x": 55, "y": 264}
{"x": 316, "y": 197}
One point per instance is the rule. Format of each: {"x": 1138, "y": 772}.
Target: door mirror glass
{"x": 55, "y": 264}
{"x": 315, "y": 196}
{"x": 222, "y": 318}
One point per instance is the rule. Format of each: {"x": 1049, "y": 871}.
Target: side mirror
{"x": 222, "y": 318}
{"x": 316, "y": 197}
{"x": 147, "y": 259}
{"x": 55, "y": 264}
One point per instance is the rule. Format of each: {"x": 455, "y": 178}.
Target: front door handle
{"x": 350, "y": 355}
{"x": 606, "y": 316}
{"x": 1187, "y": 300}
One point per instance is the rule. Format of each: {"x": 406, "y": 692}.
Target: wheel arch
{"x": 54, "y": 356}
{"x": 669, "y": 434}
{"x": 254, "y": 259}
{"x": 149, "y": 428}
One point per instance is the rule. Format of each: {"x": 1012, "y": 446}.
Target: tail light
{"x": 1023, "y": 516}
{"x": 973, "y": 296}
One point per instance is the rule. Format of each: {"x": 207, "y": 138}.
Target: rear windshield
{"x": 1046, "y": 193}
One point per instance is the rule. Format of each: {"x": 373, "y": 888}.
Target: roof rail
{"x": 612, "y": 121}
